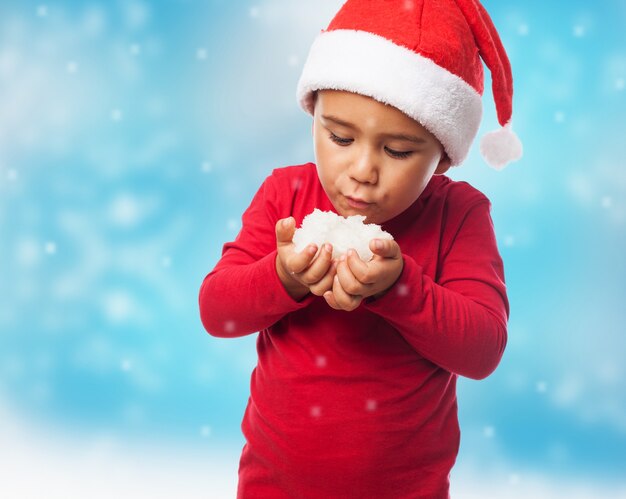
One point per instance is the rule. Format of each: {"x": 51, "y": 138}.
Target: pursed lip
{"x": 358, "y": 204}
{"x": 358, "y": 200}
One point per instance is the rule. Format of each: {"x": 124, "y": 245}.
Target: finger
{"x": 360, "y": 269}
{"x": 345, "y": 300}
{"x": 285, "y": 228}
{"x": 330, "y": 299}
{"x": 318, "y": 268}
{"x": 349, "y": 283}
{"x": 387, "y": 248}
{"x": 326, "y": 283}
{"x": 298, "y": 262}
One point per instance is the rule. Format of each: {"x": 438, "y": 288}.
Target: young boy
{"x": 354, "y": 393}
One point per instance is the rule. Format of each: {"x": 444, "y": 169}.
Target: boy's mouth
{"x": 357, "y": 203}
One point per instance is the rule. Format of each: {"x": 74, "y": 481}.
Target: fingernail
{"x": 342, "y": 258}
{"x": 378, "y": 244}
{"x": 312, "y": 250}
{"x": 328, "y": 248}
{"x": 285, "y": 223}
{"x": 350, "y": 252}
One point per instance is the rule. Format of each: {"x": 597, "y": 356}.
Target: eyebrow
{"x": 399, "y": 136}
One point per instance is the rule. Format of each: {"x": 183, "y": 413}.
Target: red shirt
{"x": 361, "y": 404}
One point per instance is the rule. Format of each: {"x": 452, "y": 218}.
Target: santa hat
{"x": 424, "y": 58}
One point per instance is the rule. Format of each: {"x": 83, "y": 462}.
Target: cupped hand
{"x": 356, "y": 279}
{"x": 310, "y": 268}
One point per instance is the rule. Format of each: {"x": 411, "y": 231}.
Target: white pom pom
{"x": 500, "y": 147}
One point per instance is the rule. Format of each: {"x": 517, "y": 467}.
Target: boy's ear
{"x": 443, "y": 166}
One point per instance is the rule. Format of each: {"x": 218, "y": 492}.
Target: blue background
{"x": 132, "y": 137}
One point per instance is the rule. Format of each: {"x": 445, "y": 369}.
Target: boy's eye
{"x": 399, "y": 154}
{"x": 339, "y": 140}
{"x": 344, "y": 142}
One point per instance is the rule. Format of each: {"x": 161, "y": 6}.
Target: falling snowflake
{"x": 50, "y": 248}
{"x": 205, "y": 431}
{"x": 116, "y": 114}
{"x": 509, "y": 241}
{"x": 320, "y": 361}
{"x": 229, "y": 326}
{"x": 135, "y": 49}
{"x": 403, "y": 290}
{"x": 316, "y": 411}
{"x": 371, "y": 405}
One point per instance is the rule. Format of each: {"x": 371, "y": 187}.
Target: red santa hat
{"x": 424, "y": 58}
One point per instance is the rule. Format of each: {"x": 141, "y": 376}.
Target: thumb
{"x": 388, "y": 248}
{"x": 285, "y": 228}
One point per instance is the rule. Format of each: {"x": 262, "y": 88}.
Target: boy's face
{"x": 360, "y": 155}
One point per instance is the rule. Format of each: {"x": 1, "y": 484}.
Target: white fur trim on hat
{"x": 371, "y": 65}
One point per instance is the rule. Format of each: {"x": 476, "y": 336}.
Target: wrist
{"x": 294, "y": 288}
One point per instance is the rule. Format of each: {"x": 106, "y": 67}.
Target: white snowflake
{"x": 403, "y": 290}
{"x": 489, "y": 431}
{"x": 320, "y": 361}
{"x": 371, "y": 405}
{"x": 50, "y": 247}
{"x": 509, "y": 241}
{"x": 316, "y": 411}
{"x": 116, "y": 114}
{"x": 135, "y": 49}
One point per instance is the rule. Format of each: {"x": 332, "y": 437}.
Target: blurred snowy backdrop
{"x": 133, "y": 134}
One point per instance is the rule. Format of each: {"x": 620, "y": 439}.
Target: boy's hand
{"x": 356, "y": 279}
{"x": 302, "y": 272}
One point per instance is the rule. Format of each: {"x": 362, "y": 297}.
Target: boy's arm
{"x": 460, "y": 321}
{"x": 243, "y": 294}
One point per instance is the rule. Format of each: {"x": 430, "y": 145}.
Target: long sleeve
{"x": 243, "y": 293}
{"x": 460, "y": 321}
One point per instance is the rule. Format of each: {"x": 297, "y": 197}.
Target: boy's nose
{"x": 364, "y": 169}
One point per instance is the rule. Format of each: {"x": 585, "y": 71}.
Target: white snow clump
{"x": 342, "y": 233}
